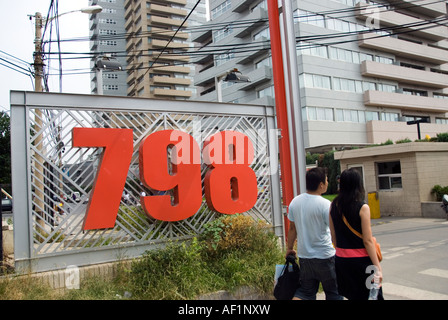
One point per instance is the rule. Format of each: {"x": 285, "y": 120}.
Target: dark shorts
{"x": 313, "y": 272}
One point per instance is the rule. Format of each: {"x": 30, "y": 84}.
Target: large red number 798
{"x": 169, "y": 162}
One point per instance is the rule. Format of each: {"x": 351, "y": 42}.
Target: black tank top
{"x": 345, "y": 238}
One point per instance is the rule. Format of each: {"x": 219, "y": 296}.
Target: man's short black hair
{"x": 314, "y": 177}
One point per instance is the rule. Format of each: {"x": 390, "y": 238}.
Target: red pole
{"x": 280, "y": 105}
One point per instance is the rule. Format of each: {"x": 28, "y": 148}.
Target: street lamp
{"x": 106, "y": 63}
{"x": 38, "y": 74}
{"x": 234, "y": 76}
{"x": 417, "y": 122}
{"x": 39, "y": 20}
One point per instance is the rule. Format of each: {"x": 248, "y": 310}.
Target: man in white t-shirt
{"x": 309, "y": 223}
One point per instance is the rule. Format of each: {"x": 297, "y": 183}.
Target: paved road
{"x": 415, "y": 257}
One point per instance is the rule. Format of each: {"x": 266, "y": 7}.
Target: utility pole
{"x": 281, "y": 108}
{"x": 39, "y": 160}
{"x": 38, "y": 63}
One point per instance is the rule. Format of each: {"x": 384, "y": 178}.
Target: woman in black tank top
{"x": 355, "y": 257}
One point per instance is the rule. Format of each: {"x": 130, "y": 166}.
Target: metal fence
{"x": 52, "y": 180}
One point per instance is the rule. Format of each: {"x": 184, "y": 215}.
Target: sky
{"x": 17, "y": 39}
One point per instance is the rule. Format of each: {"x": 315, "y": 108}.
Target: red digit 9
{"x": 170, "y": 160}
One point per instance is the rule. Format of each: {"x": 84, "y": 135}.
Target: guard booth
{"x": 399, "y": 177}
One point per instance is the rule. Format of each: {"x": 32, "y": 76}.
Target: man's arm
{"x": 292, "y": 236}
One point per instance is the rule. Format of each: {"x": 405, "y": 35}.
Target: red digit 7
{"x": 109, "y": 183}
{"x": 184, "y": 180}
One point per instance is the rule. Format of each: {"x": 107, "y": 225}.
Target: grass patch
{"x": 329, "y": 196}
{"x": 233, "y": 251}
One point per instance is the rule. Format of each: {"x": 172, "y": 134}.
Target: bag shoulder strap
{"x": 350, "y": 227}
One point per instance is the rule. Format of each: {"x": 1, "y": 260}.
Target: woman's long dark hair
{"x": 351, "y": 191}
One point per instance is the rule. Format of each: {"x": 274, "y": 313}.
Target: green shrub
{"x": 237, "y": 232}
{"x": 233, "y": 251}
{"x": 439, "y": 191}
{"x": 442, "y": 137}
{"x": 406, "y": 140}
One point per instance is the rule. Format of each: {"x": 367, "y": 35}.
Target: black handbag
{"x": 288, "y": 281}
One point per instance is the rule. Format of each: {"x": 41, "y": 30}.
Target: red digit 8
{"x": 184, "y": 179}
{"x": 230, "y": 184}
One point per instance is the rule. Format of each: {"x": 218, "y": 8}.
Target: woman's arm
{"x": 364, "y": 213}
{"x": 333, "y": 232}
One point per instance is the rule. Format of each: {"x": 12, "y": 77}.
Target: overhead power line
{"x": 242, "y": 49}
{"x": 320, "y": 39}
{"x": 242, "y": 23}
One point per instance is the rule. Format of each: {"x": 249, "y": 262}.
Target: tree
{"x": 5, "y": 149}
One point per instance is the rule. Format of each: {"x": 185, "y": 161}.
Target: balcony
{"x": 241, "y": 5}
{"x": 430, "y": 8}
{"x": 410, "y": 24}
{"x": 404, "y": 48}
{"x": 155, "y": 20}
{"x": 201, "y": 37}
{"x": 259, "y": 51}
{"x": 173, "y": 69}
{"x": 171, "y": 81}
{"x": 179, "y": 2}
{"x": 171, "y": 93}
{"x": 404, "y": 74}
{"x": 404, "y": 101}
{"x": 257, "y": 77}
{"x": 163, "y": 33}
{"x": 155, "y": 8}
{"x": 170, "y": 57}
{"x": 170, "y": 45}
{"x": 205, "y": 77}
{"x": 380, "y": 131}
{"x": 257, "y": 18}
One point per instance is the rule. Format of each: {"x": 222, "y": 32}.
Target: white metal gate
{"x": 52, "y": 179}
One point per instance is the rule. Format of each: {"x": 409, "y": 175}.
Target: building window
{"x": 263, "y": 62}
{"x": 439, "y": 96}
{"x": 221, "y": 8}
{"x": 413, "y": 92}
{"x": 265, "y": 92}
{"x": 222, "y": 33}
{"x": 372, "y": 115}
{"x": 389, "y": 116}
{"x": 415, "y": 118}
{"x": 110, "y": 87}
{"x": 441, "y": 121}
{"x": 223, "y": 58}
{"x": 315, "y": 81}
{"x": 107, "y": 21}
{"x": 347, "y": 115}
{"x": 389, "y": 175}
{"x": 320, "y": 114}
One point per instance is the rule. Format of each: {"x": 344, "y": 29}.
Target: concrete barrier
{"x": 433, "y": 209}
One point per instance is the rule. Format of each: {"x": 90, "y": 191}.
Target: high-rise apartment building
{"x": 150, "y": 40}
{"x": 107, "y": 38}
{"x": 157, "y": 46}
{"x": 364, "y": 69}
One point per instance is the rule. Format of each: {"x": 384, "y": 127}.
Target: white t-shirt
{"x": 310, "y": 214}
